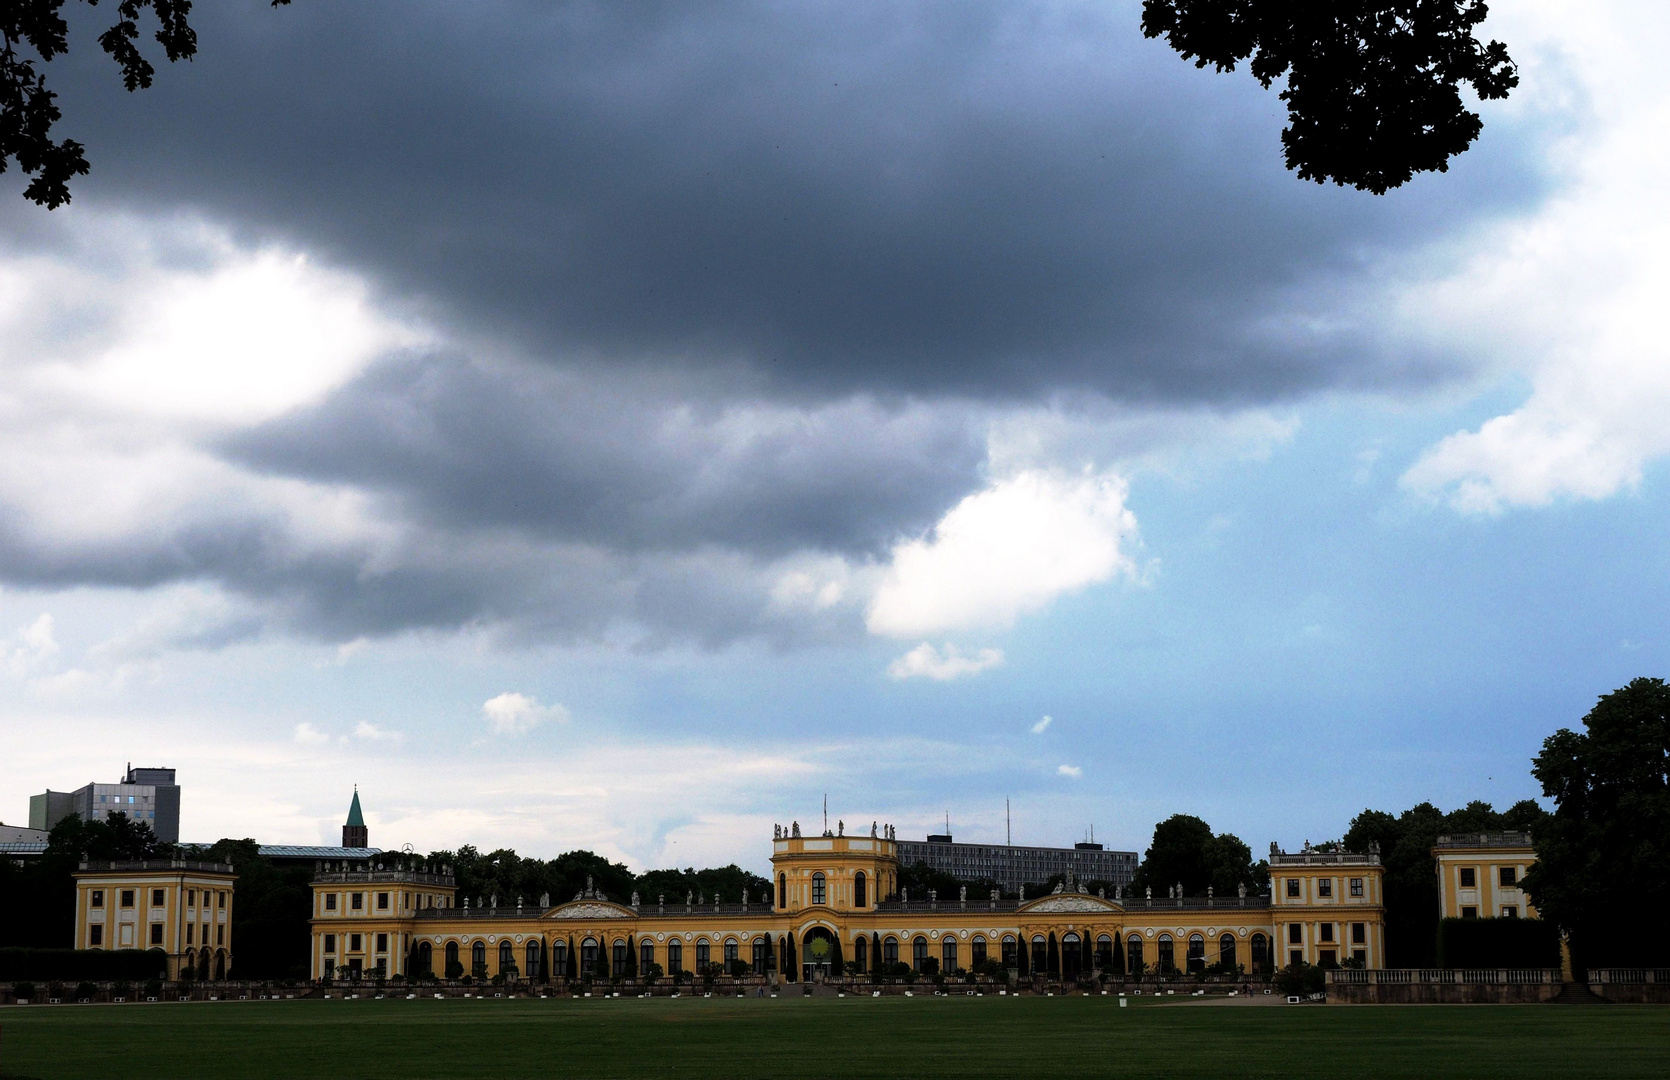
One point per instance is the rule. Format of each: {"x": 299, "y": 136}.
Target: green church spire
{"x": 354, "y": 815}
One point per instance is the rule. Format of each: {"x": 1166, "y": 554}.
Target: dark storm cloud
{"x": 969, "y": 198}
{"x": 560, "y": 456}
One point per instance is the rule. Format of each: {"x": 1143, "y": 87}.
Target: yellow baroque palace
{"x": 836, "y": 903}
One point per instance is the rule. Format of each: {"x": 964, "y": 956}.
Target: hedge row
{"x": 1498, "y": 943}
{"x": 18, "y": 964}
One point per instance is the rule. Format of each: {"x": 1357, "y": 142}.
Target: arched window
{"x": 782, "y": 890}
{"x": 675, "y": 956}
{"x": 646, "y": 955}
{"x": 559, "y": 959}
{"x": 1104, "y": 953}
{"x": 1197, "y": 953}
{"x": 453, "y": 967}
{"x": 1226, "y": 952}
{"x": 478, "y": 960}
{"x": 702, "y": 955}
{"x": 861, "y": 953}
{"x": 425, "y": 959}
{"x": 507, "y": 958}
{"x": 730, "y": 952}
{"x": 858, "y": 897}
{"x": 818, "y": 888}
{"x": 1166, "y": 962}
{"x": 588, "y": 958}
{"x": 618, "y": 961}
{"x": 918, "y": 952}
{"x": 890, "y": 951}
{"x": 1009, "y": 958}
{"x": 1040, "y": 954}
{"x": 1133, "y": 954}
{"x": 948, "y": 954}
{"x": 1072, "y": 956}
{"x": 759, "y": 956}
{"x": 1260, "y": 948}
{"x": 977, "y": 952}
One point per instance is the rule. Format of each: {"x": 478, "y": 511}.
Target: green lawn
{"x": 855, "y": 1037}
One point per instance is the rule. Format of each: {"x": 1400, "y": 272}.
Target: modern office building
{"x": 1012, "y": 866}
{"x": 147, "y": 795}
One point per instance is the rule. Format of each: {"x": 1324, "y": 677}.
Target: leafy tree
{"x": 1411, "y": 874}
{"x": 28, "y": 109}
{"x": 271, "y": 910}
{"x": 1186, "y": 851}
{"x": 727, "y": 881}
{"x": 1372, "y": 86}
{"x": 37, "y": 901}
{"x": 1603, "y": 858}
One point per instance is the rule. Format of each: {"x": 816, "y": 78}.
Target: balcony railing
{"x": 1445, "y": 976}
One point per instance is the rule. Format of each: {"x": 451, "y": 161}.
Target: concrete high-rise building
{"x": 147, "y": 795}
{"x": 1012, "y": 866}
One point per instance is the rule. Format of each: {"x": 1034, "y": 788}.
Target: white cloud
{"x": 1574, "y": 296}
{"x": 925, "y": 661}
{"x": 372, "y": 733}
{"x": 1043, "y": 725}
{"x": 1006, "y": 551}
{"x": 32, "y": 648}
{"x": 308, "y": 735}
{"x": 1069, "y": 770}
{"x": 518, "y": 714}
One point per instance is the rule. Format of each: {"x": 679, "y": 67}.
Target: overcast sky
{"x": 617, "y": 425}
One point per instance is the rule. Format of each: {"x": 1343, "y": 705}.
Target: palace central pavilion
{"x": 837, "y": 902}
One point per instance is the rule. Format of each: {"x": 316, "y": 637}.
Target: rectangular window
{"x": 189, "y": 928}
{"x": 1295, "y": 956}
{"x": 95, "y": 935}
{"x": 1295, "y": 934}
{"x": 1469, "y": 913}
{"x": 1327, "y": 931}
{"x": 98, "y": 897}
{"x": 1356, "y": 886}
{"x": 223, "y": 898}
{"x": 354, "y": 943}
{"x": 1325, "y": 887}
{"x": 220, "y": 934}
{"x": 330, "y": 943}
{"x": 127, "y": 897}
{"x": 1293, "y": 887}
{"x": 156, "y": 933}
{"x": 330, "y": 901}
{"x": 382, "y": 943}
{"x": 382, "y": 901}
{"x": 1325, "y": 958}
{"x": 675, "y": 956}
{"x": 1469, "y": 878}
{"x": 191, "y": 898}
{"x": 156, "y": 897}
{"x": 1360, "y": 955}
{"x": 1508, "y": 876}
{"x": 356, "y": 901}
{"x": 1510, "y": 911}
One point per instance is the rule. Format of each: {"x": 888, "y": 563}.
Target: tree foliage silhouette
{"x": 28, "y": 110}
{"x": 1373, "y": 87}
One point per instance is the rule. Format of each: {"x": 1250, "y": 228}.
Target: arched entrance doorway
{"x": 1071, "y": 964}
{"x": 820, "y": 955}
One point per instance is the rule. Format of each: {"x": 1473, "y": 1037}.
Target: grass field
{"x": 855, "y": 1037}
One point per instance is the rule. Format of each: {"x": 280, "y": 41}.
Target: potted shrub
{"x": 23, "y": 993}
